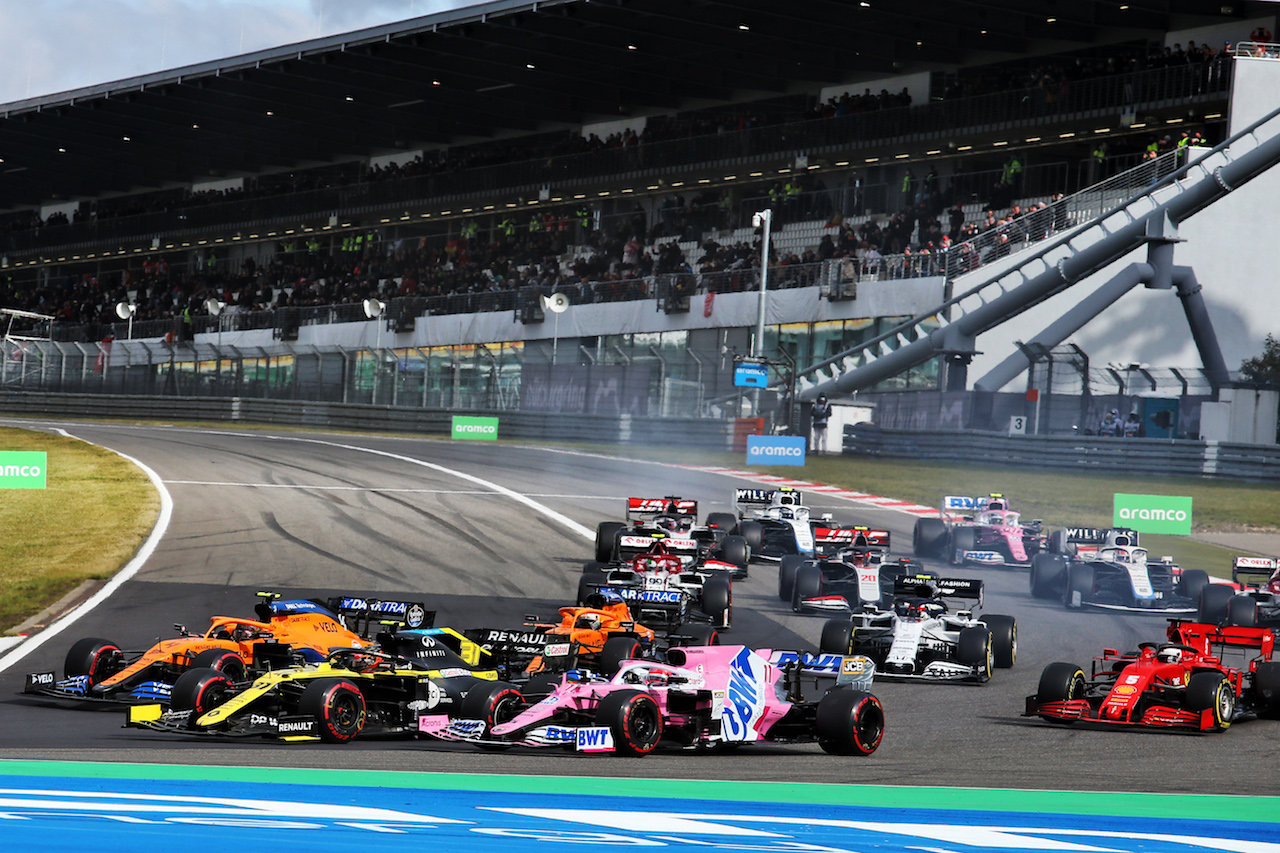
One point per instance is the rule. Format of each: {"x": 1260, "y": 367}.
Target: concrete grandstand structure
{"x": 297, "y": 131}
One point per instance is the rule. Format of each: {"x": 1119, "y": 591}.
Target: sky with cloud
{"x": 53, "y": 46}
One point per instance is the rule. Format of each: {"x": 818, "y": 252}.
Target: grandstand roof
{"x": 507, "y": 68}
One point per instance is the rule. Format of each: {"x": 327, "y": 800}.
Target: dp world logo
{"x": 475, "y": 429}
{"x": 1153, "y": 514}
{"x": 23, "y": 469}
{"x": 775, "y": 450}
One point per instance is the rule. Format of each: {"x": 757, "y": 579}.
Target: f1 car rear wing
{"x": 963, "y": 506}
{"x": 1253, "y": 571}
{"x": 645, "y": 508}
{"x": 851, "y": 537}
{"x": 355, "y": 611}
{"x": 510, "y": 644}
{"x": 1098, "y": 537}
{"x": 632, "y": 545}
{"x": 927, "y": 586}
{"x": 748, "y": 500}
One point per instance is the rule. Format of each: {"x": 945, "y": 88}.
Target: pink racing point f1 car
{"x": 701, "y": 697}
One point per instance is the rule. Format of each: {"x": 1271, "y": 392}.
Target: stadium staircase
{"x": 997, "y": 293}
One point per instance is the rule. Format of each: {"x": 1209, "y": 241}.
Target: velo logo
{"x": 1153, "y": 513}
{"x": 23, "y": 469}
{"x": 475, "y": 429}
{"x": 775, "y": 450}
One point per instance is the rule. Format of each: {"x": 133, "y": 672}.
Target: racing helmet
{"x": 589, "y": 622}
{"x": 669, "y": 523}
{"x": 1169, "y": 654}
{"x": 244, "y": 633}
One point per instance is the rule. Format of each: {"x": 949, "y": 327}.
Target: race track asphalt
{"x": 394, "y": 517}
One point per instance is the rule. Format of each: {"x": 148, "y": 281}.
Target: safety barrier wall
{"x": 1146, "y": 457}
{"x": 530, "y": 426}
{"x": 1126, "y": 456}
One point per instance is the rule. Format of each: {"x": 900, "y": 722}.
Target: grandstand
{"x": 459, "y": 167}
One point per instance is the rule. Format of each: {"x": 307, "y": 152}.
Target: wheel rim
{"x": 1226, "y": 703}
{"x": 346, "y": 712}
{"x": 645, "y": 724}
{"x": 869, "y": 727}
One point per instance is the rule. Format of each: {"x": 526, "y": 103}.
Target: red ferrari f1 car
{"x": 1204, "y": 678}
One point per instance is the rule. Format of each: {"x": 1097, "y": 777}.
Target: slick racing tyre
{"x": 1079, "y": 586}
{"x": 1048, "y": 574}
{"x": 93, "y": 656}
{"x": 700, "y": 635}
{"x": 787, "y": 575}
{"x": 1214, "y": 600}
{"x": 633, "y": 718}
{"x": 199, "y": 691}
{"x": 616, "y": 650}
{"x": 588, "y": 585}
{"x": 1060, "y": 682}
{"x": 717, "y": 600}
{"x": 973, "y": 648}
{"x": 734, "y": 550}
{"x": 607, "y": 540}
{"x": 1266, "y": 688}
{"x": 753, "y": 532}
{"x": 1004, "y": 639}
{"x": 495, "y": 702}
{"x": 808, "y": 584}
{"x": 837, "y": 637}
{"x": 849, "y": 722}
{"x": 1242, "y": 611}
{"x": 929, "y": 538}
{"x": 962, "y": 539}
{"x": 225, "y": 661}
{"x": 1212, "y": 690}
{"x": 722, "y": 521}
{"x": 1193, "y": 582}
{"x": 338, "y": 706}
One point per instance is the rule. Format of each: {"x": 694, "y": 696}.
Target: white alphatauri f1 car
{"x": 920, "y": 636}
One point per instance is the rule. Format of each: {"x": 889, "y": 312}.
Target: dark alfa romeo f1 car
{"x": 662, "y": 590}
{"x": 1251, "y": 599}
{"x": 1117, "y": 575}
{"x": 776, "y": 523}
{"x": 980, "y": 531}
{"x": 849, "y": 579}
{"x": 98, "y": 670}
{"x": 674, "y": 520}
{"x": 378, "y": 689}
{"x": 699, "y": 697}
{"x": 1203, "y": 679}
{"x": 920, "y": 636}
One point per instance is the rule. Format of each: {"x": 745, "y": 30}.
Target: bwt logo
{"x": 775, "y": 450}
{"x": 594, "y": 739}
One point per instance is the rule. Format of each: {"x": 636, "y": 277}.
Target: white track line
{"x": 130, "y": 569}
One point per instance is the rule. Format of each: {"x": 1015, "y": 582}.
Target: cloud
{"x": 60, "y": 45}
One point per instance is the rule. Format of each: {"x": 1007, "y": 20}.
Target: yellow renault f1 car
{"x": 377, "y": 689}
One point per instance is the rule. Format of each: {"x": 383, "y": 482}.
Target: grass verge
{"x": 92, "y": 516}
